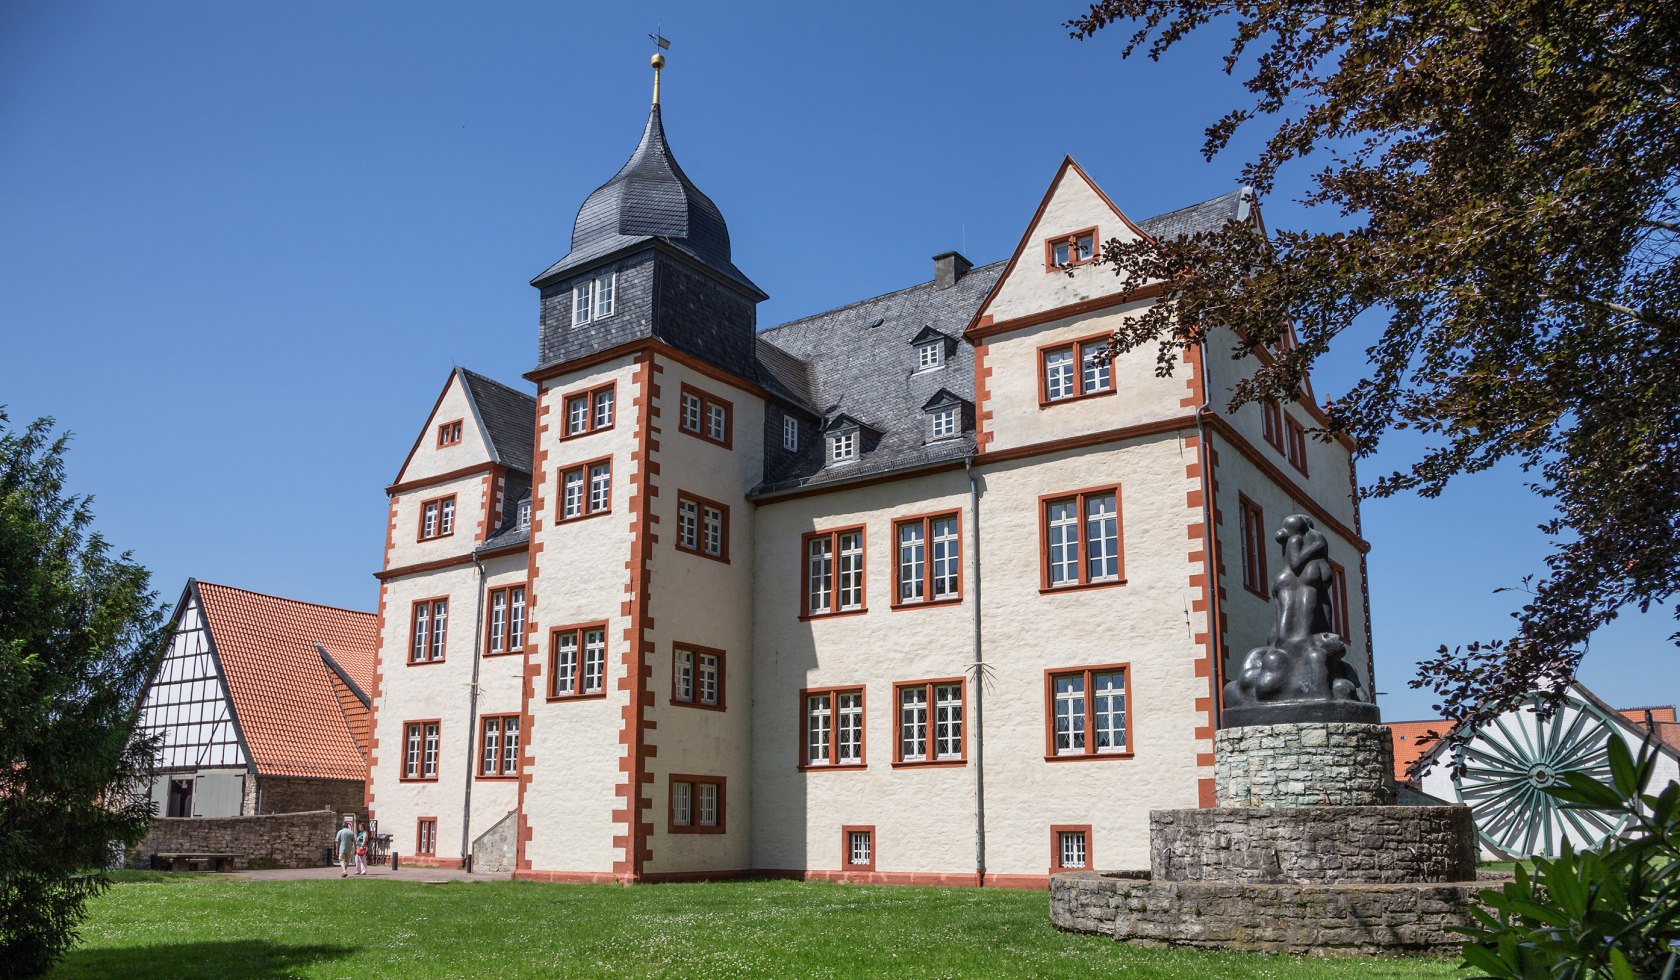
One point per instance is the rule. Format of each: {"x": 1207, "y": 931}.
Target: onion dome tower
{"x": 649, "y": 259}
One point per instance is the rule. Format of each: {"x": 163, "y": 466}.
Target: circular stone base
{"x": 1304, "y": 764}
{"x": 1285, "y": 712}
{"x": 1319, "y": 919}
{"x": 1365, "y": 844}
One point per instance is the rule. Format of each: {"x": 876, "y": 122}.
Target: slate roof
{"x": 509, "y": 532}
{"x": 1206, "y": 216}
{"x": 283, "y": 696}
{"x": 509, "y": 417}
{"x": 649, "y": 198}
{"x": 858, "y": 362}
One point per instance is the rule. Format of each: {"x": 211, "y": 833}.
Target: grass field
{"x": 209, "y": 926}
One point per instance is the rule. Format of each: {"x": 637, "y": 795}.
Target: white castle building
{"x": 915, "y": 590}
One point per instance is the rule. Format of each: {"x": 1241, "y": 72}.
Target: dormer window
{"x": 790, "y": 433}
{"x": 592, "y": 299}
{"x": 947, "y": 422}
{"x": 1070, "y": 250}
{"x": 843, "y": 445}
{"x": 523, "y": 521}
{"x": 930, "y": 355}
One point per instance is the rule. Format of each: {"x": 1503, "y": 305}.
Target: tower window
{"x": 593, "y": 299}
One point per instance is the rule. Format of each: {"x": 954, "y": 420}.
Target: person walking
{"x": 346, "y": 841}
{"x": 361, "y": 848}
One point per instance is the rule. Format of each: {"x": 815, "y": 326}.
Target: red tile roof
{"x": 1406, "y": 733}
{"x": 283, "y": 699}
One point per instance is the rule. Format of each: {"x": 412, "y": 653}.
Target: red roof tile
{"x": 1406, "y": 747}
{"x": 282, "y": 698}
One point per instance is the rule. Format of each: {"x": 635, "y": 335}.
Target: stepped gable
{"x": 284, "y": 701}
{"x": 650, "y": 198}
{"x": 509, "y": 417}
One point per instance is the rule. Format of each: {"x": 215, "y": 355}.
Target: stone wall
{"x": 1304, "y": 764}
{"x": 284, "y": 840}
{"x": 280, "y": 795}
{"x": 1371, "y": 844}
{"x": 1335, "y": 920}
{"x": 494, "y": 849}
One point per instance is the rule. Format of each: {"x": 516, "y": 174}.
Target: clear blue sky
{"x": 243, "y": 243}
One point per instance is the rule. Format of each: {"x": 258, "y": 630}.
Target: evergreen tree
{"x": 79, "y": 632}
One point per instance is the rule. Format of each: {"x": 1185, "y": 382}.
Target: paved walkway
{"x": 433, "y": 875}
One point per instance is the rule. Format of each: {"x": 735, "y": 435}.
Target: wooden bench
{"x": 195, "y": 860}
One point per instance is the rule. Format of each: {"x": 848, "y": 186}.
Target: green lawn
{"x": 208, "y": 926}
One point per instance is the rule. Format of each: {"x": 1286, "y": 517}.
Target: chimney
{"x": 948, "y": 267}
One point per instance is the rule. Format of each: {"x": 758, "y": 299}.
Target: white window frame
{"x": 594, "y": 299}
{"x": 946, "y": 422}
{"x": 523, "y": 521}
{"x": 843, "y": 445}
{"x": 930, "y": 355}
{"x": 790, "y": 433}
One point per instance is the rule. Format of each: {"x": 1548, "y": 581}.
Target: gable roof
{"x": 1210, "y": 215}
{"x": 284, "y": 702}
{"x": 508, "y": 417}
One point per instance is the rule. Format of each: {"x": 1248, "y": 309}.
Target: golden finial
{"x": 658, "y": 60}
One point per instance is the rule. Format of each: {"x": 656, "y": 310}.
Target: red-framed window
{"x": 705, "y": 416}
{"x": 422, "y": 744}
{"x": 1074, "y": 369}
{"x": 857, "y": 847}
{"x": 585, "y": 490}
{"x": 425, "y": 837}
{"x": 1295, "y": 443}
{"x": 498, "y": 746}
{"x": 927, "y": 566}
{"x": 449, "y": 434}
{"x": 1070, "y": 847}
{"x": 697, "y": 676}
{"x": 697, "y": 804}
{"x": 702, "y": 526}
{"x": 1271, "y": 424}
{"x": 504, "y": 622}
{"x": 834, "y": 572}
{"x": 437, "y": 518}
{"x": 1082, "y": 539}
{"x": 1074, "y": 248}
{"x": 1339, "y": 602}
{"x": 1087, "y": 712}
{"x": 577, "y": 661}
{"x": 928, "y": 722}
{"x": 1251, "y": 528}
{"x": 831, "y": 729}
{"x": 428, "y": 640}
{"x": 589, "y": 411}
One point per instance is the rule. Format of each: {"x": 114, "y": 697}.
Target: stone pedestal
{"x": 1303, "y": 854}
{"x": 1307, "y": 764}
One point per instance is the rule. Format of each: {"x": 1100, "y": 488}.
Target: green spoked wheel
{"x": 1513, "y": 759}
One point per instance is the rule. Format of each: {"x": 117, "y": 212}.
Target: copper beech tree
{"x": 1509, "y": 172}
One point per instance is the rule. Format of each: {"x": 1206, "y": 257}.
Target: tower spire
{"x": 660, "y": 45}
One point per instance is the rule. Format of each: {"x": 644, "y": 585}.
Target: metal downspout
{"x": 979, "y": 686}
{"x": 472, "y": 720}
{"x": 1216, "y": 653}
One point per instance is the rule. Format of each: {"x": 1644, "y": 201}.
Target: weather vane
{"x": 660, "y": 44}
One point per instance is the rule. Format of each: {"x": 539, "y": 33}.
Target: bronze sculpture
{"x": 1299, "y": 674}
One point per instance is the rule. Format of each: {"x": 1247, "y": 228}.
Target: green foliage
{"x": 1508, "y": 175}
{"x": 213, "y": 926}
{"x": 79, "y": 629}
{"x": 1611, "y": 913}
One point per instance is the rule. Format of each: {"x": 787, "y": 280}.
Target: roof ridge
{"x": 871, "y": 299}
{"x": 281, "y": 598}
{"x": 505, "y": 387}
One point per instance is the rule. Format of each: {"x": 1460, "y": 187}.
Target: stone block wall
{"x": 1335, "y": 920}
{"x": 283, "y": 840}
{"x": 1372, "y": 844}
{"x": 1304, "y": 764}
{"x": 494, "y": 849}
{"x": 281, "y": 795}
